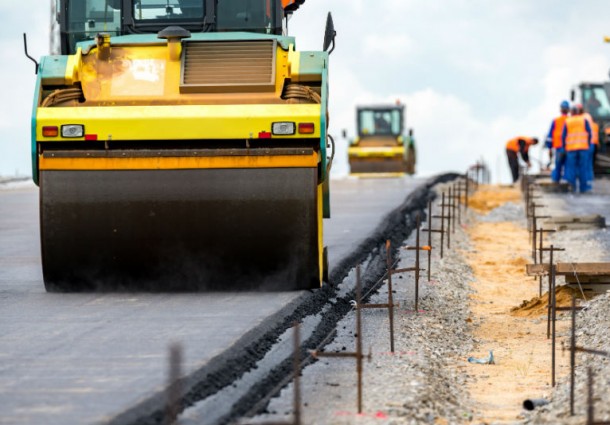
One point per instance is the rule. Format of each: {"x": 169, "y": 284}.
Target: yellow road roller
{"x": 380, "y": 148}
{"x": 181, "y": 145}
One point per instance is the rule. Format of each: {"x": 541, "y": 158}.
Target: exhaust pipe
{"x": 532, "y": 403}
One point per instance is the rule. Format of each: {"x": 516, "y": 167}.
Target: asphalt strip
{"x": 232, "y": 383}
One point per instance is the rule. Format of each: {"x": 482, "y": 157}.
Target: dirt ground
{"x": 500, "y": 251}
{"x": 488, "y": 198}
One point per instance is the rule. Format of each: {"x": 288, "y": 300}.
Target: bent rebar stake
{"x": 390, "y": 304}
{"x": 358, "y": 353}
{"x": 174, "y": 388}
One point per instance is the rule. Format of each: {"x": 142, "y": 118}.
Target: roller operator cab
{"x": 181, "y": 145}
{"x": 595, "y": 100}
{"x": 381, "y": 148}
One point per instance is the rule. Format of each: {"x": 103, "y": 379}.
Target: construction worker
{"x": 554, "y": 142}
{"x": 409, "y": 153}
{"x": 576, "y": 140}
{"x": 594, "y": 142}
{"x": 516, "y": 146}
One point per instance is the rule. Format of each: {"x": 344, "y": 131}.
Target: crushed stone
{"x": 414, "y": 385}
{"x": 417, "y": 384}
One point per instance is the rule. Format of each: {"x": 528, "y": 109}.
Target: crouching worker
{"x": 515, "y": 147}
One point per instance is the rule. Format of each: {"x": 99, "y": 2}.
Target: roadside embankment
{"x": 479, "y": 301}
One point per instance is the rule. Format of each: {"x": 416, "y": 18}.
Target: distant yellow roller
{"x": 380, "y": 146}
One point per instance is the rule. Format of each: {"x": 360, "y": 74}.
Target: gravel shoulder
{"x": 428, "y": 380}
{"x": 413, "y": 385}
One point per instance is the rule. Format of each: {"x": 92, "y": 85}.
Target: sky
{"x": 472, "y": 73}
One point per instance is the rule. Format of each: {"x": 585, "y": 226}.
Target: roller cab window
{"x": 168, "y": 10}
{"x": 382, "y": 122}
{"x": 87, "y": 18}
{"x": 595, "y": 101}
{"x": 249, "y": 15}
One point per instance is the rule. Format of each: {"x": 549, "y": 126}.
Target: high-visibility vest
{"x": 577, "y": 138}
{"x": 513, "y": 144}
{"x": 558, "y": 130}
{"x": 594, "y": 128}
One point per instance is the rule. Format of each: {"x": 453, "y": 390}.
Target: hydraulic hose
{"x": 61, "y": 96}
{"x": 297, "y": 93}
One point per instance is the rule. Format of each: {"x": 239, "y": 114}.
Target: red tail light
{"x": 50, "y": 131}
{"x": 307, "y": 128}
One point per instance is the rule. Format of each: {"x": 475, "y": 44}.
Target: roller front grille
{"x": 228, "y": 66}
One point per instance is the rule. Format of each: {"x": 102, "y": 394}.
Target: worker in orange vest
{"x": 576, "y": 139}
{"x": 594, "y": 142}
{"x": 516, "y": 146}
{"x": 554, "y": 142}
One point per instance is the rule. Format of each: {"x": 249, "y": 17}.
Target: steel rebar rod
{"x": 174, "y": 389}
{"x": 390, "y": 296}
{"x": 359, "y": 338}
{"x": 572, "y": 355}
{"x": 296, "y": 364}
{"x": 554, "y": 298}
{"x": 590, "y": 407}
{"x": 417, "y": 249}
{"x": 430, "y": 239}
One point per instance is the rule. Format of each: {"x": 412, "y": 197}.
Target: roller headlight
{"x": 283, "y": 128}
{"x": 71, "y": 131}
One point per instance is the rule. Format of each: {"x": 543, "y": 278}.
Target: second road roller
{"x": 181, "y": 145}
{"x": 381, "y": 149}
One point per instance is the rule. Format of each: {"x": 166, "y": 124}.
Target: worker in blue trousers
{"x": 576, "y": 140}
{"x": 555, "y": 144}
{"x": 594, "y": 142}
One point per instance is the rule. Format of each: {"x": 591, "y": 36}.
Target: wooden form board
{"x": 564, "y": 269}
{"x": 573, "y": 222}
{"x": 549, "y": 186}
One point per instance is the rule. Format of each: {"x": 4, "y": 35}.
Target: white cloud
{"x": 391, "y": 47}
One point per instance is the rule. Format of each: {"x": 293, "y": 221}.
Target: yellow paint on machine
{"x": 187, "y": 122}
{"x": 178, "y": 163}
{"x": 376, "y": 152}
{"x": 140, "y": 73}
{"x": 72, "y": 67}
{"x": 294, "y": 63}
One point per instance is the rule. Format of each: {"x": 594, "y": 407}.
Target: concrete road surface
{"x": 86, "y": 358}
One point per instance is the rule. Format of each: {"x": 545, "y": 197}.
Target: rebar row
{"x": 452, "y": 201}
{"x": 451, "y": 204}
{"x": 528, "y": 190}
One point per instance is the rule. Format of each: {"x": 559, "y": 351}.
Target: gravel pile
{"x": 510, "y": 211}
{"x": 415, "y": 385}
